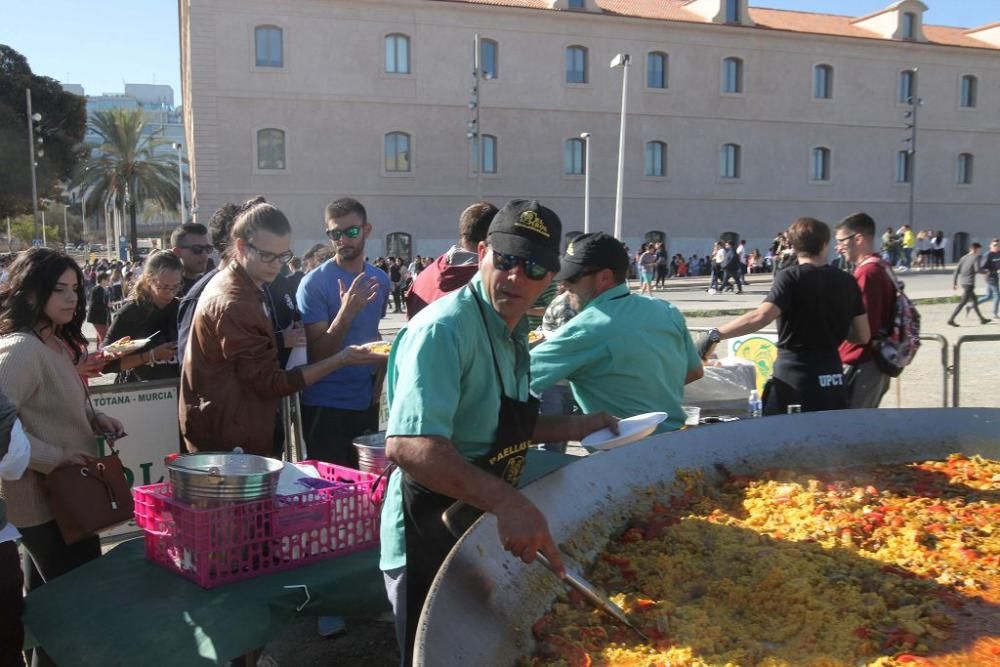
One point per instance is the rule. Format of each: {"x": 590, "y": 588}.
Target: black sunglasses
{"x": 199, "y": 249}
{"x": 846, "y": 238}
{"x": 271, "y": 257}
{"x": 533, "y": 270}
{"x": 337, "y": 234}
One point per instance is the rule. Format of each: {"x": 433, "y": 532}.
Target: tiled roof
{"x": 774, "y": 19}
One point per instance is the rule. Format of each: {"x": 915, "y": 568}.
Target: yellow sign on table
{"x": 759, "y": 349}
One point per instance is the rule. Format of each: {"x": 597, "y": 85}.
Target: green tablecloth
{"x": 124, "y": 610}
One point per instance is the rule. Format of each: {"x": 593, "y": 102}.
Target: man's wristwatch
{"x": 714, "y": 337}
{"x": 706, "y": 342}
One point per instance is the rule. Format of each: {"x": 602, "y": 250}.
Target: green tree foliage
{"x": 64, "y": 120}
{"x": 125, "y": 171}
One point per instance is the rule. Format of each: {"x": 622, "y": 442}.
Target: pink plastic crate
{"x": 220, "y": 545}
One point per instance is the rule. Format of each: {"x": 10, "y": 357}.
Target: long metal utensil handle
{"x": 595, "y": 597}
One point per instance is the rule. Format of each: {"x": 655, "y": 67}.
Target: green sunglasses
{"x": 337, "y": 234}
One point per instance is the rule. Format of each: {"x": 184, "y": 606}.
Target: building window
{"x": 489, "y": 163}
{"x": 970, "y": 85}
{"x": 904, "y": 167}
{"x": 270, "y": 149}
{"x": 732, "y": 75}
{"x": 964, "y": 171}
{"x": 733, "y": 11}
{"x": 577, "y": 4}
{"x": 823, "y": 82}
{"x": 397, "y": 54}
{"x": 268, "y": 46}
{"x": 399, "y": 244}
{"x": 573, "y": 158}
{"x": 729, "y": 161}
{"x": 397, "y": 152}
{"x": 820, "y": 170}
{"x": 656, "y": 69}
{"x": 489, "y": 52}
{"x": 576, "y": 64}
{"x": 907, "y": 86}
{"x": 656, "y": 159}
{"x": 909, "y": 25}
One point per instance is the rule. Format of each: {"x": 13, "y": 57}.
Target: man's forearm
{"x": 436, "y": 464}
{"x": 555, "y": 428}
{"x": 331, "y": 341}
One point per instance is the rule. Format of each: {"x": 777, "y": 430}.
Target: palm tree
{"x": 125, "y": 170}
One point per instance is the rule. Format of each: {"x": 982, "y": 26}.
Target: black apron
{"x": 428, "y": 540}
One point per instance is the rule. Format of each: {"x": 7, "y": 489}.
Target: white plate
{"x": 127, "y": 348}
{"x": 630, "y": 430}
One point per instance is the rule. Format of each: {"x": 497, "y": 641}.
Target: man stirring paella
{"x": 461, "y": 416}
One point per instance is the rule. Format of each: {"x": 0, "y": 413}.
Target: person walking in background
{"x": 991, "y": 264}
{"x": 647, "y": 268}
{"x": 965, "y": 277}
{"x": 906, "y": 244}
{"x": 938, "y": 247}
{"x": 99, "y": 310}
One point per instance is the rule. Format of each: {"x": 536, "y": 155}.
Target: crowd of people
{"x": 461, "y": 379}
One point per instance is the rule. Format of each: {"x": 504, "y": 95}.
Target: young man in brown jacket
{"x": 232, "y": 380}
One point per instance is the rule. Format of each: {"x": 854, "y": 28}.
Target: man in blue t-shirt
{"x": 341, "y": 303}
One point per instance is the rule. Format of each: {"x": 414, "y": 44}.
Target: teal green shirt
{"x": 442, "y": 382}
{"x": 627, "y": 354}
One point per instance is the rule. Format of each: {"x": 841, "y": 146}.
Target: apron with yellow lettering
{"x": 428, "y": 540}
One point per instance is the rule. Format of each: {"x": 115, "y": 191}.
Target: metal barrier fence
{"x": 957, "y": 356}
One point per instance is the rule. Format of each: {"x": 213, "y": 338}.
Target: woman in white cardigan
{"x": 42, "y": 310}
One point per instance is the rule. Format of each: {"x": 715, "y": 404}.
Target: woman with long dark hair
{"x": 42, "y": 310}
{"x": 151, "y": 312}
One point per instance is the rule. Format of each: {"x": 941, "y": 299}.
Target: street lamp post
{"x": 32, "y": 119}
{"x": 622, "y": 60}
{"x": 180, "y": 179}
{"x": 65, "y": 227}
{"x": 586, "y": 181}
{"x": 911, "y": 124}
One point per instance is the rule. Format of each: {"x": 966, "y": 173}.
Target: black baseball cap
{"x": 592, "y": 251}
{"x": 527, "y": 229}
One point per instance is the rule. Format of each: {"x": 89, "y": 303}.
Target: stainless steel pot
{"x": 214, "y": 478}
{"x": 371, "y": 453}
{"x": 483, "y": 602}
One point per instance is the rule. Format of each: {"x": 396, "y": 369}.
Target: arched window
{"x": 907, "y": 86}
{"x": 904, "y": 167}
{"x": 489, "y": 162}
{"x": 489, "y": 58}
{"x": 909, "y": 25}
{"x": 963, "y": 175}
{"x": 270, "y": 149}
{"x": 732, "y": 75}
{"x": 576, "y": 64}
{"x": 970, "y": 92}
{"x": 656, "y": 159}
{"x": 820, "y": 170}
{"x": 657, "y": 64}
{"x": 397, "y": 54}
{"x": 399, "y": 244}
{"x": 397, "y": 152}
{"x": 823, "y": 82}
{"x": 573, "y": 157}
{"x": 729, "y": 161}
{"x": 268, "y": 46}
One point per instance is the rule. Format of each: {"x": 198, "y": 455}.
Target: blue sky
{"x": 101, "y": 44}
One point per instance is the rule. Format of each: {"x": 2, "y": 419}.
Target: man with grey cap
{"x": 623, "y": 353}
{"x": 15, "y": 453}
{"x": 461, "y": 416}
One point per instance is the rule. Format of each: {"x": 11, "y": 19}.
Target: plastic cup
{"x": 692, "y": 415}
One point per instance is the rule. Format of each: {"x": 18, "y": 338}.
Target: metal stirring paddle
{"x": 460, "y": 516}
{"x": 593, "y": 595}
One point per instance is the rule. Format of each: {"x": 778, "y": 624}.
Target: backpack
{"x": 894, "y": 348}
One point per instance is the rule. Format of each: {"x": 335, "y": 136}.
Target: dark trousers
{"x": 734, "y": 274}
{"x": 48, "y": 556}
{"x": 11, "y": 606}
{"x": 968, "y": 299}
{"x": 330, "y": 432}
{"x": 778, "y": 395}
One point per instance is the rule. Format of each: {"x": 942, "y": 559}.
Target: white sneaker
{"x": 711, "y": 291}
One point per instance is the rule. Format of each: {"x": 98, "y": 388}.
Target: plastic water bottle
{"x": 754, "y": 404}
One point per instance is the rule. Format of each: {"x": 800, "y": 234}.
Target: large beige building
{"x": 739, "y": 118}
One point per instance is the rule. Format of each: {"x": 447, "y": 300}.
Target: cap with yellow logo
{"x": 527, "y": 229}
{"x": 593, "y": 251}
